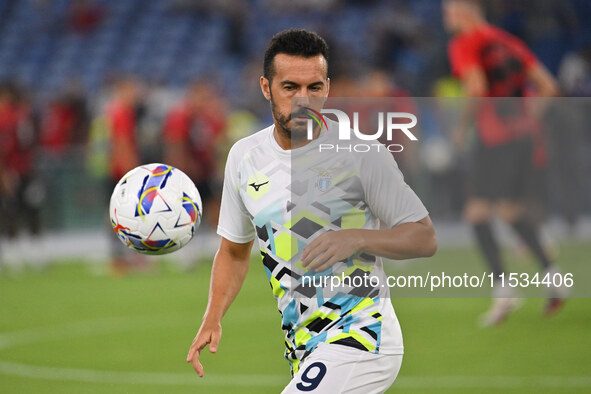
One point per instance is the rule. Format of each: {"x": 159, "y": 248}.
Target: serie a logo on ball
{"x": 155, "y": 209}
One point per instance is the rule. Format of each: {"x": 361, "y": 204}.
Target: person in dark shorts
{"x": 497, "y": 69}
{"x": 501, "y": 172}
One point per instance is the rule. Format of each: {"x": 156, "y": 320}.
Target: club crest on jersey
{"x": 323, "y": 183}
{"x": 323, "y": 180}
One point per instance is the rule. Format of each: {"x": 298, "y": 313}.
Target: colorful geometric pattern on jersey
{"x": 292, "y": 199}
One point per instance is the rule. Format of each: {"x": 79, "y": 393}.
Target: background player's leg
{"x": 514, "y": 214}
{"x": 2, "y": 226}
{"x": 478, "y": 213}
{"x": 118, "y": 254}
{"x": 520, "y": 189}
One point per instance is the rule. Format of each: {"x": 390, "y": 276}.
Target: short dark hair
{"x": 294, "y": 42}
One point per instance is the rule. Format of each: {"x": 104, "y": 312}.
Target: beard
{"x": 295, "y": 130}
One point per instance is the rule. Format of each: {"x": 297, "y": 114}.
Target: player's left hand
{"x": 331, "y": 247}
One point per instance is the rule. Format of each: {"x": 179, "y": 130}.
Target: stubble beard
{"x": 284, "y": 126}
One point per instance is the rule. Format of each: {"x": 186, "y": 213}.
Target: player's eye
{"x": 315, "y": 88}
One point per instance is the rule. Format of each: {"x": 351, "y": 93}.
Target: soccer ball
{"x": 155, "y": 209}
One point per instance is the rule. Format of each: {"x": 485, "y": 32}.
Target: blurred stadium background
{"x": 64, "y": 65}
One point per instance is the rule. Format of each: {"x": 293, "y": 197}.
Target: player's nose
{"x": 303, "y": 97}
{"x": 299, "y": 104}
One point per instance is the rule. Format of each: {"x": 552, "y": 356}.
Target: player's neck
{"x": 471, "y": 25}
{"x": 285, "y": 142}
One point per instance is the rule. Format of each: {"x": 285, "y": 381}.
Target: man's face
{"x": 453, "y": 13}
{"x": 199, "y": 95}
{"x": 301, "y": 78}
{"x": 129, "y": 91}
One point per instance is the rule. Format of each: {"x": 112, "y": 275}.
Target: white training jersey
{"x": 286, "y": 199}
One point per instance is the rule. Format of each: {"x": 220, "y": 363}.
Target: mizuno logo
{"x": 257, "y": 187}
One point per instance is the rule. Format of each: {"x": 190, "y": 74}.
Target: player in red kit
{"x": 21, "y": 194}
{"x": 492, "y": 63}
{"x": 121, "y": 117}
{"x": 193, "y": 131}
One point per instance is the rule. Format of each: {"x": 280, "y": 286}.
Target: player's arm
{"x": 123, "y": 149}
{"x": 230, "y": 266}
{"x": 9, "y": 181}
{"x": 405, "y": 241}
{"x": 546, "y": 88}
{"x": 546, "y": 85}
{"x": 175, "y": 154}
{"x": 474, "y": 82}
{"x": 475, "y": 85}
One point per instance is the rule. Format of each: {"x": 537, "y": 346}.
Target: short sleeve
{"x": 234, "y": 222}
{"x": 387, "y": 195}
{"x": 523, "y": 52}
{"x": 463, "y": 55}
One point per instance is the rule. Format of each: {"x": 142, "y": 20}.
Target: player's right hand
{"x": 209, "y": 333}
{"x": 9, "y": 182}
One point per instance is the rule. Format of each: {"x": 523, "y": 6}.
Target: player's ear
{"x": 327, "y": 86}
{"x": 266, "y": 88}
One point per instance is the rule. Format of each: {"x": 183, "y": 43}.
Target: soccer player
{"x": 122, "y": 120}
{"x": 492, "y": 63}
{"x": 351, "y": 342}
{"x": 20, "y": 190}
{"x": 192, "y": 130}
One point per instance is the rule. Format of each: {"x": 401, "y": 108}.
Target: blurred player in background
{"x": 122, "y": 121}
{"x": 21, "y": 193}
{"x": 349, "y": 342}
{"x": 193, "y": 130}
{"x": 63, "y": 126}
{"x": 492, "y": 63}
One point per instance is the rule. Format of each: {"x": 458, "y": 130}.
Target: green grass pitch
{"x": 68, "y": 330}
